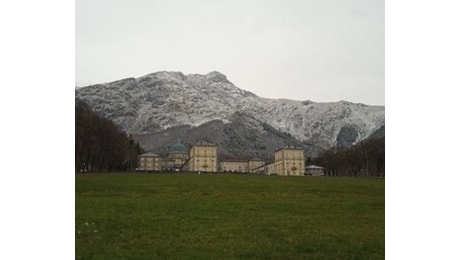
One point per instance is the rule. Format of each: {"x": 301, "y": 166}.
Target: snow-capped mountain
{"x": 162, "y": 100}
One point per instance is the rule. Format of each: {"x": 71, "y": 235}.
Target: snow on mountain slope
{"x": 160, "y": 100}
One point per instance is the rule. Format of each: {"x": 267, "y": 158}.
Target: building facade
{"x": 179, "y": 154}
{"x": 289, "y": 162}
{"x": 241, "y": 165}
{"x": 203, "y": 158}
{"x": 254, "y": 164}
{"x": 234, "y": 166}
{"x": 149, "y": 162}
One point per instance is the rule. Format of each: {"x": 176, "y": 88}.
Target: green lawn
{"x": 191, "y": 216}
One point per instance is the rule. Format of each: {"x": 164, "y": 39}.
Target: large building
{"x": 289, "y": 162}
{"x": 203, "y": 158}
{"x": 149, "y": 162}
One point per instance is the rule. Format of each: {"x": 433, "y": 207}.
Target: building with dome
{"x": 202, "y": 157}
{"x": 178, "y": 153}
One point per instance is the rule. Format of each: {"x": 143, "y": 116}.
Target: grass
{"x": 190, "y": 216}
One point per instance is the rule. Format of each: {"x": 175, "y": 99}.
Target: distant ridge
{"x": 162, "y": 101}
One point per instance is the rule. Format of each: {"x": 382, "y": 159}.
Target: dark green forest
{"x": 365, "y": 159}
{"x": 100, "y": 145}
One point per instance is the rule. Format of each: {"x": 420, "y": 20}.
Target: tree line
{"x": 365, "y": 159}
{"x": 100, "y": 145}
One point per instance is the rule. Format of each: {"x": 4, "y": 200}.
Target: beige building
{"x": 241, "y": 165}
{"x": 289, "y": 162}
{"x": 149, "y": 162}
{"x": 203, "y": 158}
{"x": 234, "y": 166}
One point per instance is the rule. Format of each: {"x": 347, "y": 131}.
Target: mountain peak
{"x": 165, "y": 74}
{"x": 216, "y": 76}
{"x": 165, "y": 99}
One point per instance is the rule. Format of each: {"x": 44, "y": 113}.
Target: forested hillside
{"x": 366, "y": 158}
{"x": 100, "y": 145}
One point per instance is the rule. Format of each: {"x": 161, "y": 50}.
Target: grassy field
{"x": 191, "y": 216}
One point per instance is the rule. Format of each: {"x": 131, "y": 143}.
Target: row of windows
{"x": 198, "y": 160}
{"x": 234, "y": 168}
{"x": 203, "y": 155}
{"x": 150, "y": 164}
{"x": 289, "y": 156}
{"x": 149, "y": 159}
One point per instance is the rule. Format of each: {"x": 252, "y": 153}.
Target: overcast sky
{"x": 320, "y": 50}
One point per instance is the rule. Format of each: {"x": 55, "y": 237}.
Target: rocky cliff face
{"x": 152, "y": 104}
{"x": 243, "y": 137}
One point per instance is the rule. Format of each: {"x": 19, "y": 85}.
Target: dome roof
{"x": 178, "y": 148}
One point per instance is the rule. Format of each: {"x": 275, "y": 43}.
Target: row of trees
{"x": 100, "y": 145}
{"x": 366, "y": 158}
